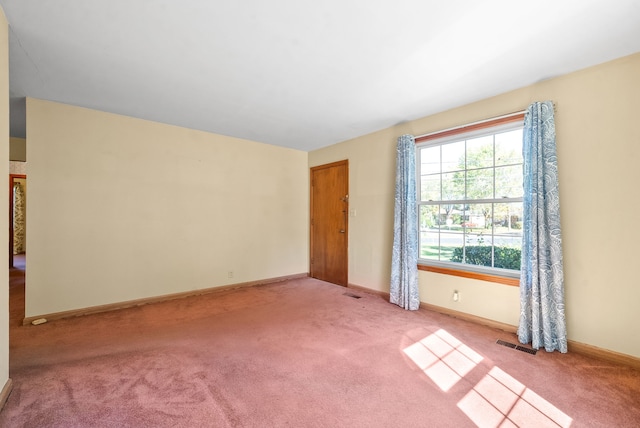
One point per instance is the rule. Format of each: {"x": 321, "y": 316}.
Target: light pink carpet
{"x": 300, "y": 353}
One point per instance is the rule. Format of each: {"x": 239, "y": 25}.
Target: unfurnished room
{"x": 320, "y": 214}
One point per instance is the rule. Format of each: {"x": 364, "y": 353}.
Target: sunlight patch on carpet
{"x": 497, "y": 399}
{"x": 500, "y": 400}
{"x": 443, "y": 358}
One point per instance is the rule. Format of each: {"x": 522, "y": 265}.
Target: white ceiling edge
{"x": 300, "y": 74}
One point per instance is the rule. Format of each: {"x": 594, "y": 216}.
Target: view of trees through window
{"x": 471, "y": 199}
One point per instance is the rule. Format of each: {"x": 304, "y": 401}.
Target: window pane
{"x": 507, "y": 252}
{"x": 478, "y": 250}
{"x": 514, "y": 241}
{"x": 480, "y": 152}
{"x": 509, "y": 181}
{"x": 430, "y": 160}
{"x": 508, "y": 219}
{"x": 453, "y": 156}
{"x": 429, "y": 245}
{"x": 508, "y": 235}
{"x": 451, "y": 246}
{"x": 480, "y": 183}
{"x": 453, "y": 186}
{"x": 478, "y": 237}
{"x": 509, "y": 147}
{"x": 478, "y": 218}
{"x": 455, "y": 176}
{"x": 430, "y": 187}
{"x": 429, "y": 217}
{"x": 452, "y": 214}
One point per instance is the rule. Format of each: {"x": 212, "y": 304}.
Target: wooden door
{"x": 329, "y": 222}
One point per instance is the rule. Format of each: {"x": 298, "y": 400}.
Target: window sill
{"x": 515, "y": 282}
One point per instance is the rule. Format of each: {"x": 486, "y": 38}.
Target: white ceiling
{"x": 300, "y": 73}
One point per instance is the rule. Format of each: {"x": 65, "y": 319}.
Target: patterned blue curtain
{"x": 542, "y": 319}
{"x": 404, "y": 263}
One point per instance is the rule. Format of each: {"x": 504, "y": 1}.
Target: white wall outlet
{"x": 456, "y": 296}
{"x": 230, "y": 274}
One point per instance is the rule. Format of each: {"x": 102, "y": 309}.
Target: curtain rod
{"x": 515, "y": 113}
{"x": 505, "y": 116}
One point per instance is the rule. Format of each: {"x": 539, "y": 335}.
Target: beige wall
{"x": 123, "y": 209}
{"x": 4, "y": 197}
{"x": 598, "y": 154}
{"x": 18, "y": 168}
{"x": 17, "y": 149}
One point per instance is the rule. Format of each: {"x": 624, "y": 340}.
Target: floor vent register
{"x": 518, "y": 347}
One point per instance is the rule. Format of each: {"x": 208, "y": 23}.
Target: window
{"x": 470, "y": 197}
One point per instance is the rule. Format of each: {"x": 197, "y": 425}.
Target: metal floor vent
{"x": 355, "y": 296}
{"x": 518, "y": 347}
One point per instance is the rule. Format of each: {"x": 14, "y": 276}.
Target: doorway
{"x": 17, "y": 216}
{"x": 330, "y": 222}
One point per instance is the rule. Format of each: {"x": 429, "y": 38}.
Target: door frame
{"x": 12, "y": 178}
{"x": 345, "y": 163}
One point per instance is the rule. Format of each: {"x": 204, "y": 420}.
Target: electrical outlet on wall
{"x": 230, "y": 274}
{"x": 456, "y": 296}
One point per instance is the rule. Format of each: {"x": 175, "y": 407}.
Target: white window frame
{"x": 475, "y": 130}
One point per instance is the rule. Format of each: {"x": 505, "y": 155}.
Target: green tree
{"x": 474, "y": 179}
